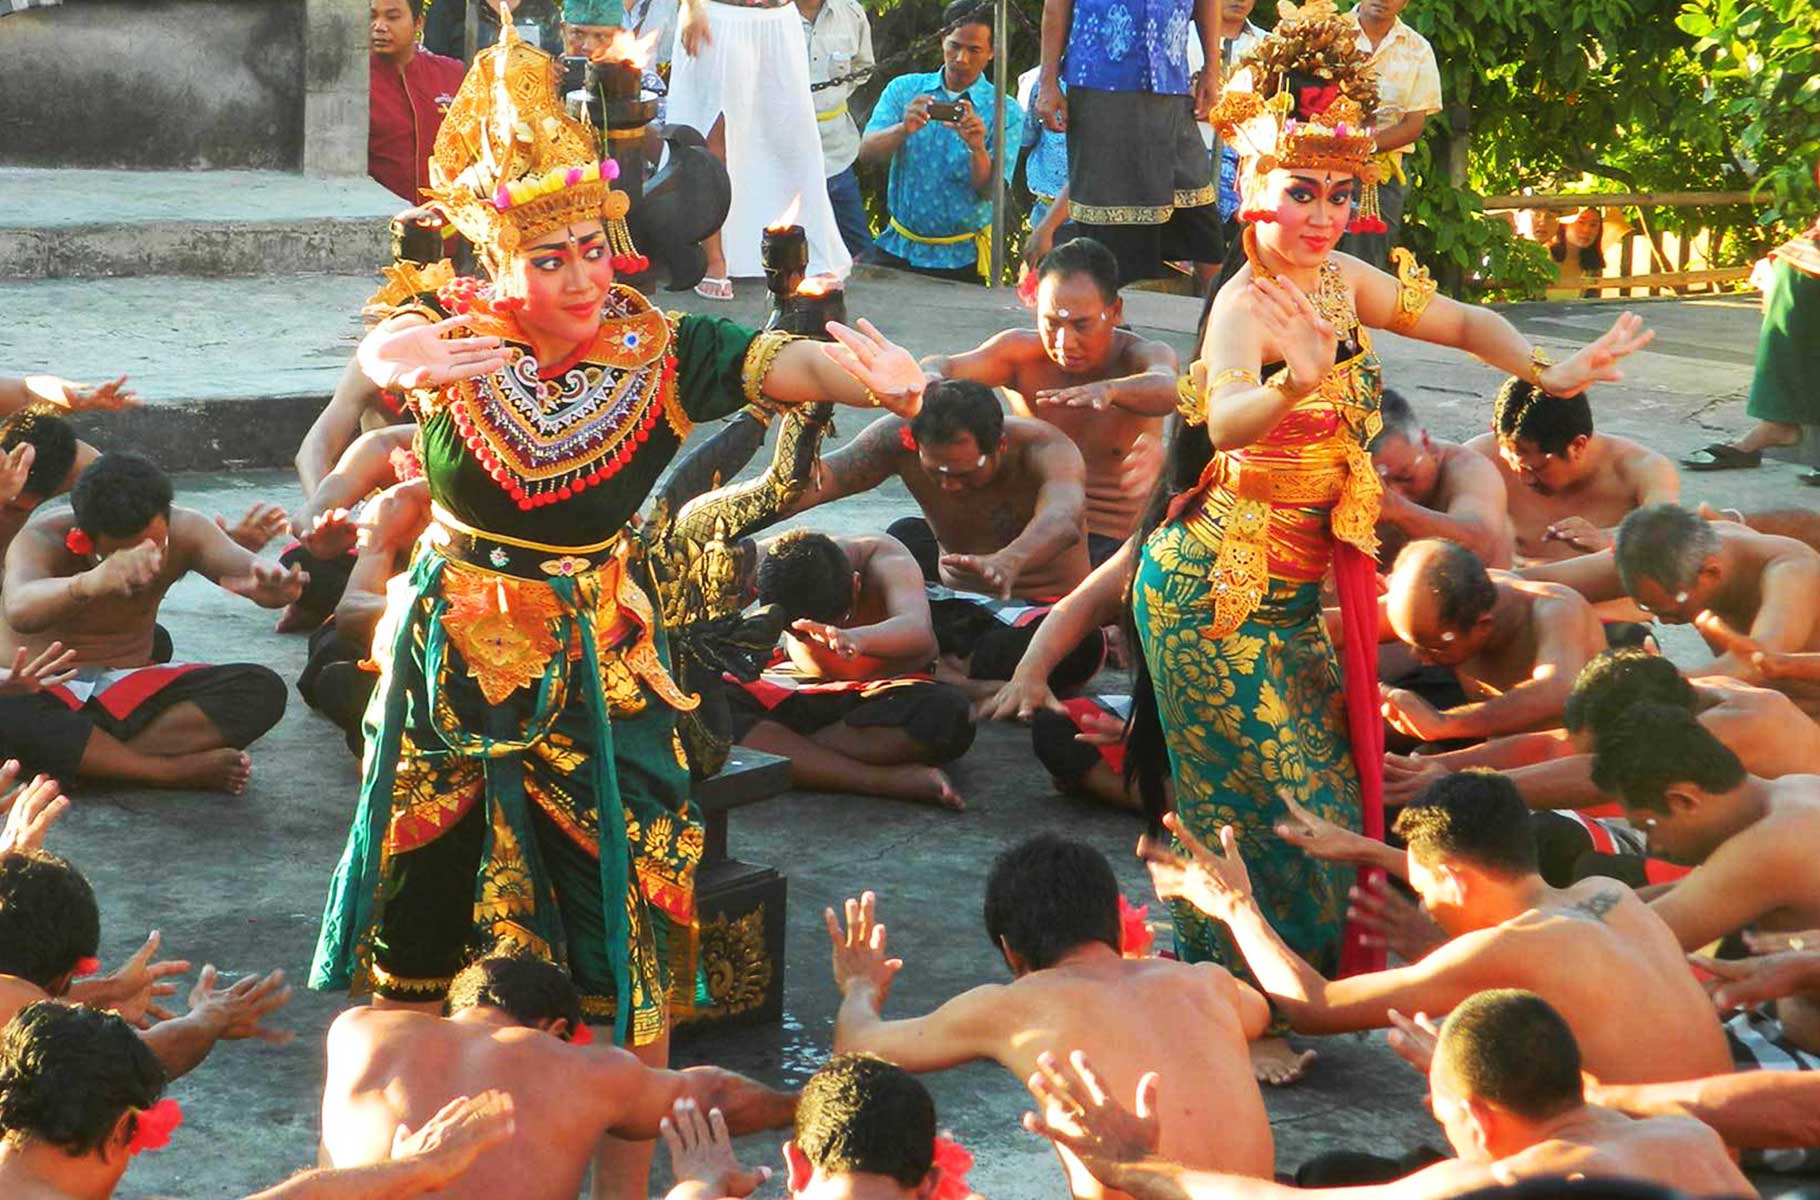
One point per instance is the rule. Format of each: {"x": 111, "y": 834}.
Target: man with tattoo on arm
{"x": 1472, "y": 860}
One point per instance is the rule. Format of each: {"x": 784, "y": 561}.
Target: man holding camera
{"x": 935, "y": 130}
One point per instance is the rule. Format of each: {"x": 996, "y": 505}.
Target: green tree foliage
{"x": 1558, "y": 96}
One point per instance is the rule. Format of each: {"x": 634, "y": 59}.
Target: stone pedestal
{"x": 740, "y": 904}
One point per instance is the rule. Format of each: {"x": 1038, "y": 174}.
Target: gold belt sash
{"x": 506, "y": 626}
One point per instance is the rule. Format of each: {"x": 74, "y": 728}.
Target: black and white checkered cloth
{"x": 9, "y": 7}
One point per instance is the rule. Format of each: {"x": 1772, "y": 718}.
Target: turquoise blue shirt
{"x": 931, "y": 186}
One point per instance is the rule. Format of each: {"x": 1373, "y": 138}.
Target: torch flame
{"x": 789, "y": 215}
{"x": 627, "y": 47}
{"x": 818, "y": 285}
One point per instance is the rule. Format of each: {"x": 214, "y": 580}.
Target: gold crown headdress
{"x": 1304, "y": 97}
{"x": 510, "y": 164}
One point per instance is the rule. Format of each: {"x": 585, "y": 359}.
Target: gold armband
{"x": 1414, "y": 290}
{"x": 763, "y": 351}
{"x": 1189, "y": 402}
{"x": 1538, "y": 363}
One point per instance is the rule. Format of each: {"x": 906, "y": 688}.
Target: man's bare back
{"x": 1595, "y": 941}
{"x": 1616, "y": 482}
{"x": 1675, "y": 1152}
{"x": 1464, "y": 484}
{"x": 1761, "y": 875}
{"x": 890, "y": 586}
{"x": 1503, "y": 664}
{"x": 1768, "y": 732}
{"x": 1193, "y": 1023}
{"x": 391, "y": 1067}
{"x": 1104, "y": 436}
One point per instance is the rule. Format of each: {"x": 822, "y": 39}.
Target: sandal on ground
{"x": 1810, "y": 478}
{"x": 715, "y": 289}
{"x": 1720, "y": 457}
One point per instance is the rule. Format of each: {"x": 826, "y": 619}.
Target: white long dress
{"x": 755, "y": 72}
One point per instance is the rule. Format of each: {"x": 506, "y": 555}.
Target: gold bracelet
{"x": 1538, "y": 362}
{"x": 872, "y": 399}
{"x": 1232, "y": 375}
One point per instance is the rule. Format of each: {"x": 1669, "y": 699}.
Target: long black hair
{"x": 1190, "y": 450}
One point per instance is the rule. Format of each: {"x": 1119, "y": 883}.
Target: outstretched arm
{"x": 17, "y": 394}
{"x": 334, "y": 428}
{"x": 962, "y": 1030}
{"x": 861, "y": 368}
{"x": 993, "y": 362}
{"x": 1147, "y": 388}
{"x": 1095, "y": 602}
{"x": 1750, "y": 1110}
{"x": 210, "y": 552}
{"x": 1219, "y": 885}
{"x": 422, "y": 1162}
{"x": 872, "y": 457}
{"x": 1487, "y": 336}
{"x": 1058, "y": 522}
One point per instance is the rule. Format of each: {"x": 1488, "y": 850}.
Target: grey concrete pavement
{"x": 240, "y": 882}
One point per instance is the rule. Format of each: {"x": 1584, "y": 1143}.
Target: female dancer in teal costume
{"x": 1242, "y": 685}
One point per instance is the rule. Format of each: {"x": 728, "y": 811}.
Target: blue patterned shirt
{"x": 1130, "y": 46}
{"x": 931, "y": 187}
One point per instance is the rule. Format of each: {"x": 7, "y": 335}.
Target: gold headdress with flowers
{"x": 1304, "y": 97}
{"x": 510, "y": 164}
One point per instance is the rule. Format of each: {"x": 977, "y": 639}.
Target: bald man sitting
{"x": 1514, "y": 646}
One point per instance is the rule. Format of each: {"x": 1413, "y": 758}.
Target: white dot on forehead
{"x": 1063, "y": 313}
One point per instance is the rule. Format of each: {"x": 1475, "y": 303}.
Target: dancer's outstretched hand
{"x": 890, "y": 371}
{"x": 413, "y": 354}
{"x": 1305, "y": 339}
{"x": 1598, "y": 361}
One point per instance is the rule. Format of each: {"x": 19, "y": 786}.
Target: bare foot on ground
{"x": 212, "y": 770}
{"x": 924, "y": 785}
{"x": 1275, "y": 1062}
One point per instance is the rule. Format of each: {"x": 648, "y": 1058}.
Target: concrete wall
{"x": 335, "y": 62}
{"x": 169, "y": 83}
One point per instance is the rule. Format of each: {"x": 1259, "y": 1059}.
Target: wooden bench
{"x": 740, "y": 905}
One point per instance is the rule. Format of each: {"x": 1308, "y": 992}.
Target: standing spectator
{"x": 1140, "y": 179}
{"x": 740, "y": 75}
{"x": 941, "y": 161}
{"x": 840, "y": 55}
{"x": 1045, "y": 155}
{"x": 1237, "y": 37}
{"x": 1409, "y": 88}
{"x": 408, "y": 90}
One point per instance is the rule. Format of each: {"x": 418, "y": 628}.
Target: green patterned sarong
{"x": 1248, "y": 719}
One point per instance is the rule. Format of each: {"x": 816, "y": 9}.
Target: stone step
{"x": 231, "y": 371}
{"x": 78, "y": 224}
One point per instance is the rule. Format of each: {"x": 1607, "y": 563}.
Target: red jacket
{"x": 404, "y": 112}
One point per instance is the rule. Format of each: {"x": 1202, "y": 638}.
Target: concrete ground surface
{"x": 240, "y": 882}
